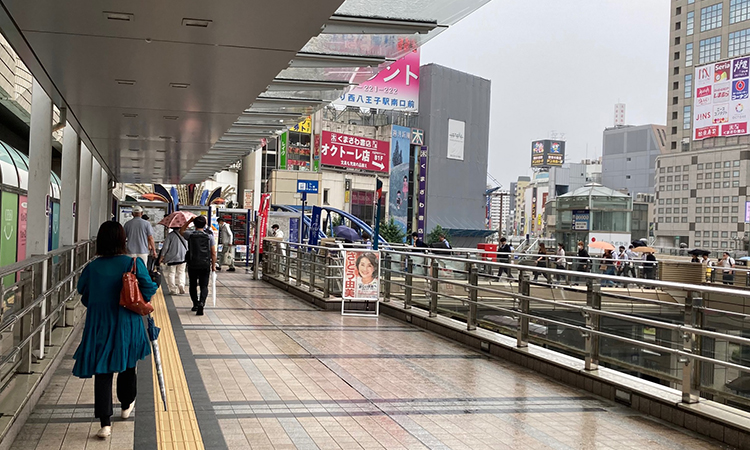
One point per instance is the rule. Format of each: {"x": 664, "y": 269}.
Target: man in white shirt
{"x": 226, "y": 239}
{"x": 629, "y": 265}
{"x": 276, "y": 232}
{"x": 622, "y": 261}
{"x": 727, "y": 264}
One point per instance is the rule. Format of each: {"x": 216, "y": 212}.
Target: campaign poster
{"x": 398, "y": 190}
{"x": 361, "y": 275}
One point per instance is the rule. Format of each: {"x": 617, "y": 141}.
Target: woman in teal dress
{"x": 114, "y": 338}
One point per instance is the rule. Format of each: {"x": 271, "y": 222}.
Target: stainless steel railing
{"x": 692, "y": 336}
{"x": 34, "y": 294}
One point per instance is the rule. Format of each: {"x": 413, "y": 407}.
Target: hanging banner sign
{"x": 317, "y": 212}
{"x": 343, "y": 150}
{"x": 361, "y": 270}
{"x": 422, "y": 191}
{"x": 265, "y": 207}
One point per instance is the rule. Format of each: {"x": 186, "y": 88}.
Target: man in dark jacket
{"x": 201, "y": 260}
{"x": 503, "y": 256}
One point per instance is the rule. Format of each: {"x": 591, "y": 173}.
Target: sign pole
{"x": 302, "y": 217}
{"x": 378, "y": 195}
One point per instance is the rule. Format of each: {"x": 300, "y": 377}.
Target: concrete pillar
{"x": 106, "y": 204}
{"x": 69, "y": 183}
{"x": 96, "y": 189}
{"x": 40, "y": 166}
{"x": 83, "y": 205}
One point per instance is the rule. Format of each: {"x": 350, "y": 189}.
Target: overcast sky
{"x": 562, "y": 66}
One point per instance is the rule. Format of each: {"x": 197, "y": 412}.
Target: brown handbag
{"x": 130, "y": 296}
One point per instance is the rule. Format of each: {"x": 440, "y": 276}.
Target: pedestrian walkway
{"x": 263, "y": 370}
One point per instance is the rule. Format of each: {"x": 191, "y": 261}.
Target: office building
{"x": 629, "y": 157}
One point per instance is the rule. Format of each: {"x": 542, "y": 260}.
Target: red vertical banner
{"x": 22, "y": 225}
{"x": 263, "y": 209}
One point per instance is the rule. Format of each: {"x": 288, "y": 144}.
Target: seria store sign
{"x": 343, "y": 150}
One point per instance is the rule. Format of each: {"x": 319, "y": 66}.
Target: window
{"x": 699, "y": 200}
{"x": 725, "y": 234}
{"x": 708, "y": 175}
{"x": 724, "y": 244}
{"x": 709, "y": 50}
{"x": 733, "y": 219}
{"x": 678, "y": 26}
{"x": 661, "y": 170}
{"x": 678, "y": 168}
{"x": 727, "y": 174}
{"x": 669, "y": 201}
{"x": 714, "y": 244}
{"x": 685, "y": 168}
{"x": 686, "y": 122}
{"x": 735, "y": 209}
{"x": 706, "y": 234}
{"x": 736, "y": 183}
{"x": 716, "y": 199}
{"x": 727, "y": 163}
{"x": 678, "y": 11}
{"x": 725, "y": 210}
{"x": 698, "y": 220}
{"x": 738, "y": 43}
{"x": 725, "y": 184}
{"x": 717, "y": 185}
{"x": 711, "y": 17}
{"x": 709, "y": 165}
{"x": 661, "y": 219}
{"x": 685, "y": 187}
{"x": 707, "y": 200}
{"x": 715, "y": 219}
{"x": 699, "y": 186}
{"x": 700, "y": 166}
{"x": 716, "y": 209}
{"x": 668, "y": 220}
{"x": 670, "y": 169}
{"x": 669, "y": 210}
{"x": 325, "y": 196}
{"x": 669, "y": 187}
{"x": 677, "y": 58}
{"x": 661, "y": 210}
{"x": 661, "y": 201}
{"x": 706, "y": 219}
{"x": 684, "y": 210}
{"x": 725, "y": 199}
{"x": 688, "y": 85}
{"x": 697, "y": 243}
{"x": 677, "y": 178}
{"x": 735, "y": 199}
{"x": 739, "y": 10}
{"x": 700, "y": 176}
{"x": 661, "y": 179}
{"x": 677, "y": 40}
{"x": 676, "y": 71}
{"x": 627, "y": 177}
{"x": 725, "y": 219}
{"x": 735, "y": 164}
{"x": 676, "y": 187}
{"x": 684, "y": 220}
{"x": 690, "y": 23}
{"x": 735, "y": 173}
{"x": 698, "y": 210}
{"x": 670, "y": 179}
{"x": 698, "y": 234}
{"x": 689, "y": 54}
{"x": 717, "y": 175}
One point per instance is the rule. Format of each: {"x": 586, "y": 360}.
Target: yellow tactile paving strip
{"x": 176, "y": 428}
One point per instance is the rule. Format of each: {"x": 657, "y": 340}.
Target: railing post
{"x": 287, "y": 266}
{"x": 691, "y": 367}
{"x": 593, "y": 301}
{"x": 434, "y": 288}
{"x": 299, "y": 265}
{"x": 327, "y": 282}
{"x": 313, "y": 268}
{"x": 387, "y": 278}
{"x": 27, "y": 324}
{"x": 471, "y": 319}
{"x": 408, "y": 277}
{"x": 524, "y": 289}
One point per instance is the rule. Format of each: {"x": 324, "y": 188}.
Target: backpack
{"x": 199, "y": 251}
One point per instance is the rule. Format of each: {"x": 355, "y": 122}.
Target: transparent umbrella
{"x": 153, "y": 335}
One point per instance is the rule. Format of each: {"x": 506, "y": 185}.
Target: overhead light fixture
{"x": 125, "y": 82}
{"x": 171, "y": 117}
{"x": 304, "y": 60}
{"x": 283, "y": 102}
{"x": 197, "y": 23}
{"x": 179, "y": 85}
{"x": 132, "y": 136}
{"x": 166, "y": 138}
{"x": 285, "y": 84}
{"x": 119, "y": 16}
{"x": 134, "y": 150}
{"x": 129, "y": 115}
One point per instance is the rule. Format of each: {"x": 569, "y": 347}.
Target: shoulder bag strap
{"x": 134, "y": 270}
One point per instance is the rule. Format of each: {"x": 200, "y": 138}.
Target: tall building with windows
{"x": 701, "y": 185}
{"x": 702, "y": 31}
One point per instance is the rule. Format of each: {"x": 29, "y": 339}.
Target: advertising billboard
{"x": 394, "y": 88}
{"x": 547, "y": 153}
{"x": 343, "y": 150}
{"x": 721, "y": 99}
{"x": 398, "y": 191}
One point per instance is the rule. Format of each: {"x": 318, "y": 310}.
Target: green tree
{"x": 433, "y": 236}
{"x": 391, "y": 232}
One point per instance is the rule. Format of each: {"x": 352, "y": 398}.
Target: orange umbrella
{"x": 644, "y": 250}
{"x": 154, "y": 197}
{"x": 602, "y": 245}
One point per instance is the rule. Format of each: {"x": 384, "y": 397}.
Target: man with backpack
{"x": 201, "y": 260}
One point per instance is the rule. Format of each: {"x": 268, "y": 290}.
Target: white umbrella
{"x": 213, "y": 286}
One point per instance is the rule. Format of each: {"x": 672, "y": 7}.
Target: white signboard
{"x": 721, "y": 99}
{"x": 616, "y": 239}
{"x": 456, "y": 138}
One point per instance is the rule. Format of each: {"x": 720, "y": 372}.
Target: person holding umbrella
{"x": 114, "y": 338}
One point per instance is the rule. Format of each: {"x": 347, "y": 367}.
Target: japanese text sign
{"x": 721, "y": 99}
{"x": 361, "y": 275}
{"x": 343, "y": 150}
{"x": 396, "y": 87}
{"x": 422, "y": 191}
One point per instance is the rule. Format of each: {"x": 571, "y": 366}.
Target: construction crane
{"x": 494, "y": 180}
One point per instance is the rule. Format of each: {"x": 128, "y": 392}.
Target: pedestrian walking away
{"x": 201, "y": 260}
{"x": 560, "y": 262}
{"x": 226, "y": 239}
{"x": 630, "y": 266}
{"x": 140, "y": 236}
{"x": 649, "y": 267}
{"x": 172, "y": 258}
{"x": 622, "y": 260}
{"x": 727, "y": 265}
{"x": 541, "y": 261}
{"x": 114, "y": 338}
{"x": 503, "y": 256}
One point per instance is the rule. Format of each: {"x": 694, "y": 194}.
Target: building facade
{"x": 629, "y": 157}
{"x": 701, "y": 32}
{"x": 499, "y": 211}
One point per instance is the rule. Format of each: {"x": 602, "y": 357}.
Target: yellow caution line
{"x": 176, "y": 428}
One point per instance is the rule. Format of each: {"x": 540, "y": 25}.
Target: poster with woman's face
{"x": 361, "y": 275}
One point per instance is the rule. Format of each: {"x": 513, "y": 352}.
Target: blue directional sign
{"x": 307, "y": 186}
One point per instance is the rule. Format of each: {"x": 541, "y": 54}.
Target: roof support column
{"x": 69, "y": 181}
{"x": 106, "y": 200}
{"x": 40, "y": 167}
{"x": 96, "y": 195}
{"x": 83, "y": 206}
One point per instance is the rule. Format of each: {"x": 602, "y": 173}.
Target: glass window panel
{"x": 739, "y": 42}
{"x": 711, "y": 17}
{"x": 739, "y": 10}
{"x": 709, "y": 50}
